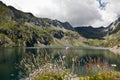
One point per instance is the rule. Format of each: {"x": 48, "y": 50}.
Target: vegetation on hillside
{"x": 28, "y": 34}
{"x": 109, "y": 41}
{"x": 23, "y": 29}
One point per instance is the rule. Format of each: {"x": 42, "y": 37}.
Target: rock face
{"x": 58, "y": 34}
{"x": 90, "y": 32}
{"x": 114, "y": 27}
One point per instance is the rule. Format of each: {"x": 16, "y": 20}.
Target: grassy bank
{"x": 100, "y": 76}
{"x": 103, "y": 76}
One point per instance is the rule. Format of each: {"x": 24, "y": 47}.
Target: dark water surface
{"x": 17, "y": 63}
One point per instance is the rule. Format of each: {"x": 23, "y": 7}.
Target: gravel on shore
{"x": 115, "y": 50}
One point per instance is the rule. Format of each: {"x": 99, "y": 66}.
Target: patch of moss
{"x": 50, "y": 76}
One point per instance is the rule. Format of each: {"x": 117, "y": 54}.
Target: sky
{"x": 77, "y": 12}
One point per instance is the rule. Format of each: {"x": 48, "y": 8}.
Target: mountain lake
{"x": 81, "y": 61}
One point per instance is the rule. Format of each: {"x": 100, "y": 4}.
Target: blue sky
{"x": 102, "y": 4}
{"x": 77, "y": 12}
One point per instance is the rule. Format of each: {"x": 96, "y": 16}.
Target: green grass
{"x": 94, "y": 42}
{"x": 58, "y": 42}
{"x": 5, "y": 41}
{"x": 50, "y": 76}
{"x": 103, "y": 76}
{"x": 100, "y": 76}
{"x": 3, "y": 11}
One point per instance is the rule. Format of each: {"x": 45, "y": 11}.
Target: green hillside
{"x": 23, "y": 29}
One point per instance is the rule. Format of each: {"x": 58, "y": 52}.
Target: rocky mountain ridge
{"x": 18, "y": 28}
{"x": 91, "y": 32}
{"x": 99, "y": 33}
{"x": 18, "y": 16}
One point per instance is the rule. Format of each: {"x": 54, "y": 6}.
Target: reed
{"x": 57, "y": 65}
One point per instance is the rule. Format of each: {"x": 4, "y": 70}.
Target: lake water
{"x": 17, "y": 63}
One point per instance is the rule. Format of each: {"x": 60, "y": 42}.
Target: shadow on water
{"x": 17, "y": 63}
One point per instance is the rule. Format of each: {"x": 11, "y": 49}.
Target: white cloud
{"x": 110, "y": 13}
{"x": 77, "y": 12}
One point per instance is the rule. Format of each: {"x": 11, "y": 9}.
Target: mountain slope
{"x": 10, "y": 13}
{"x": 107, "y": 37}
{"x": 90, "y": 32}
{"x": 113, "y": 34}
{"x": 99, "y": 33}
{"x": 114, "y": 27}
{"x": 23, "y": 29}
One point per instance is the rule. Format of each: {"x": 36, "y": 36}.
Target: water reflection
{"x": 17, "y": 63}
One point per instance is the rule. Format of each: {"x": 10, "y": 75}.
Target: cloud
{"x": 110, "y": 13}
{"x": 77, "y": 12}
